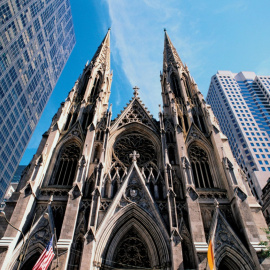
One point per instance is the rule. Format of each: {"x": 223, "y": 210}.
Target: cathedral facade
{"x": 133, "y": 192}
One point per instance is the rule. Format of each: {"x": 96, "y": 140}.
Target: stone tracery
{"x": 135, "y": 141}
{"x": 131, "y": 252}
{"x": 200, "y": 167}
{"x": 67, "y": 165}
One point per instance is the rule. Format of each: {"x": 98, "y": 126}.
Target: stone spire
{"x": 102, "y": 55}
{"x": 170, "y": 54}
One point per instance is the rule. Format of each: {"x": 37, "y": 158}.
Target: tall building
{"x": 13, "y": 185}
{"x": 36, "y": 39}
{"x": 134, "y": 192}
{"x": 18, "y": 174}
{"x": 241, "y": 104}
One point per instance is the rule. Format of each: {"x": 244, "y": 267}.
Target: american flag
{"x": 45, "y": 258}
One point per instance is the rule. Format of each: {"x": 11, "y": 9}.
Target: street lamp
{"x": 3, "y": 214}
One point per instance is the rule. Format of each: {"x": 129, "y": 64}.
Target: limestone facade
{"x": 134, "y": 192}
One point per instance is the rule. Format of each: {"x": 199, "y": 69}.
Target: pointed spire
{"x": 170, "y": 54}
{"x": 102, "y": 55}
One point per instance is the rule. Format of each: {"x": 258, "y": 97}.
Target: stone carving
{"x": 135, "y": 141}
{"x": 55, "y": 192}
{"x": 104, "y": 205}
{"x": 136, "y": 113}
{"x": 132, "y": 252}
{"x": 172, "y": 55}
{"x": 212, "y": 195}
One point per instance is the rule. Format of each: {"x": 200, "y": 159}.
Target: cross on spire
{"x": 134, "y": 155}
{"x": 136, "y": 93}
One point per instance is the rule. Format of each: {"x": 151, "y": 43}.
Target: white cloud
{"x": 231, "y": 6}
{"x": 137, "y": 37}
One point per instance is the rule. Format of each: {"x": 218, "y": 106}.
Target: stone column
{"x": 69, "y": 226}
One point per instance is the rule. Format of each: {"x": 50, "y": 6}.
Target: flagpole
{"x": 56, "y": 248}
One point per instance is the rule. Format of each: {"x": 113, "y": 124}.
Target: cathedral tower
{"x": 134, "y": 192}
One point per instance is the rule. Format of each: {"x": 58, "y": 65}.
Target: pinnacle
{"x": 170, "y": 54}
{"x": 136, "y": 91}
{"x": 103, "y": 51}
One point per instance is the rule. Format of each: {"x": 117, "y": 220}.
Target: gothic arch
{"x": 55, "y": 160}
{"x": 140, "y": 129}
{"x": 133, "y": 225}
{"x": 113, "y": 180}
{"x": 76, "y": 254}
{"x": 66, "y": 165}
{"x": 97, "y": 153}
{"x": 33, "y": 253}
{"x": 96, "y": 85}
{"x": 202, "y": 165}
{"x": 187, "y": 84}
{"x": 176, "y": 85}
{"x": 226, "y": 256}
{"x": 128, "y": 218}
{"x": 132, "y": 251}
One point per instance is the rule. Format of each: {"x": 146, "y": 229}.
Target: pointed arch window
{"x": 95, "y": 87}
{"x": 84, "y": 120}
{"x": 131, "y": 252}
{"x": 175, "y": 85}
{"x": 200, "y": 167}
{"x": 198, "y": 120}
{"x": 66, "y": 165}
{"x": 187, "y": 86}
{"x": 84, "y": 84}
{"x": 74, "y": 118}
{"x": 76, "y": 256}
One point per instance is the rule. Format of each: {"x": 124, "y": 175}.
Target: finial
{"x": 136, "y": 93}
{"x": 134, "y": 156}
{"x": 165, "y": 30}
{"x": 109, "y": 28}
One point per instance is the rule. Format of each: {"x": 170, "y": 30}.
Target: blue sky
{"x": 209, "y": 35}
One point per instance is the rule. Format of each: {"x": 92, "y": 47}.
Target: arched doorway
{"x": 228, "y": 264}
{"x": 131, "y": 232}
{"x": 131, "y": 252}
{"x": 29, "y": 264}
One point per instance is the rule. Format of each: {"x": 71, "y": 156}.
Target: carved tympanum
{"x": 132, "y": 252}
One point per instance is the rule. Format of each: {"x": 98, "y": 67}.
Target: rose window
{"x": 135, "y": 141}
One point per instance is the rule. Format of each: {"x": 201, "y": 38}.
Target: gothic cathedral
{"x": 133, "y": 192}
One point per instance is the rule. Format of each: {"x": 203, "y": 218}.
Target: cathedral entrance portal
{"x": 228, "y": 264}
{"x": 131, "y": 253}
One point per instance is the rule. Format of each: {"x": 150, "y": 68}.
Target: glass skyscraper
{"x": 241, "y": 103}
{"x": 36, "y": 39}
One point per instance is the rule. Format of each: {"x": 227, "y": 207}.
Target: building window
{"x": 200, "y": 168}
{"x": 66, "y": 165}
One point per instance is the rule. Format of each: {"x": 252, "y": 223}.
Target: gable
{"x": 133, "y": 191}
{"x": 135, "y": 112}
{"x": 194, "y": 134}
